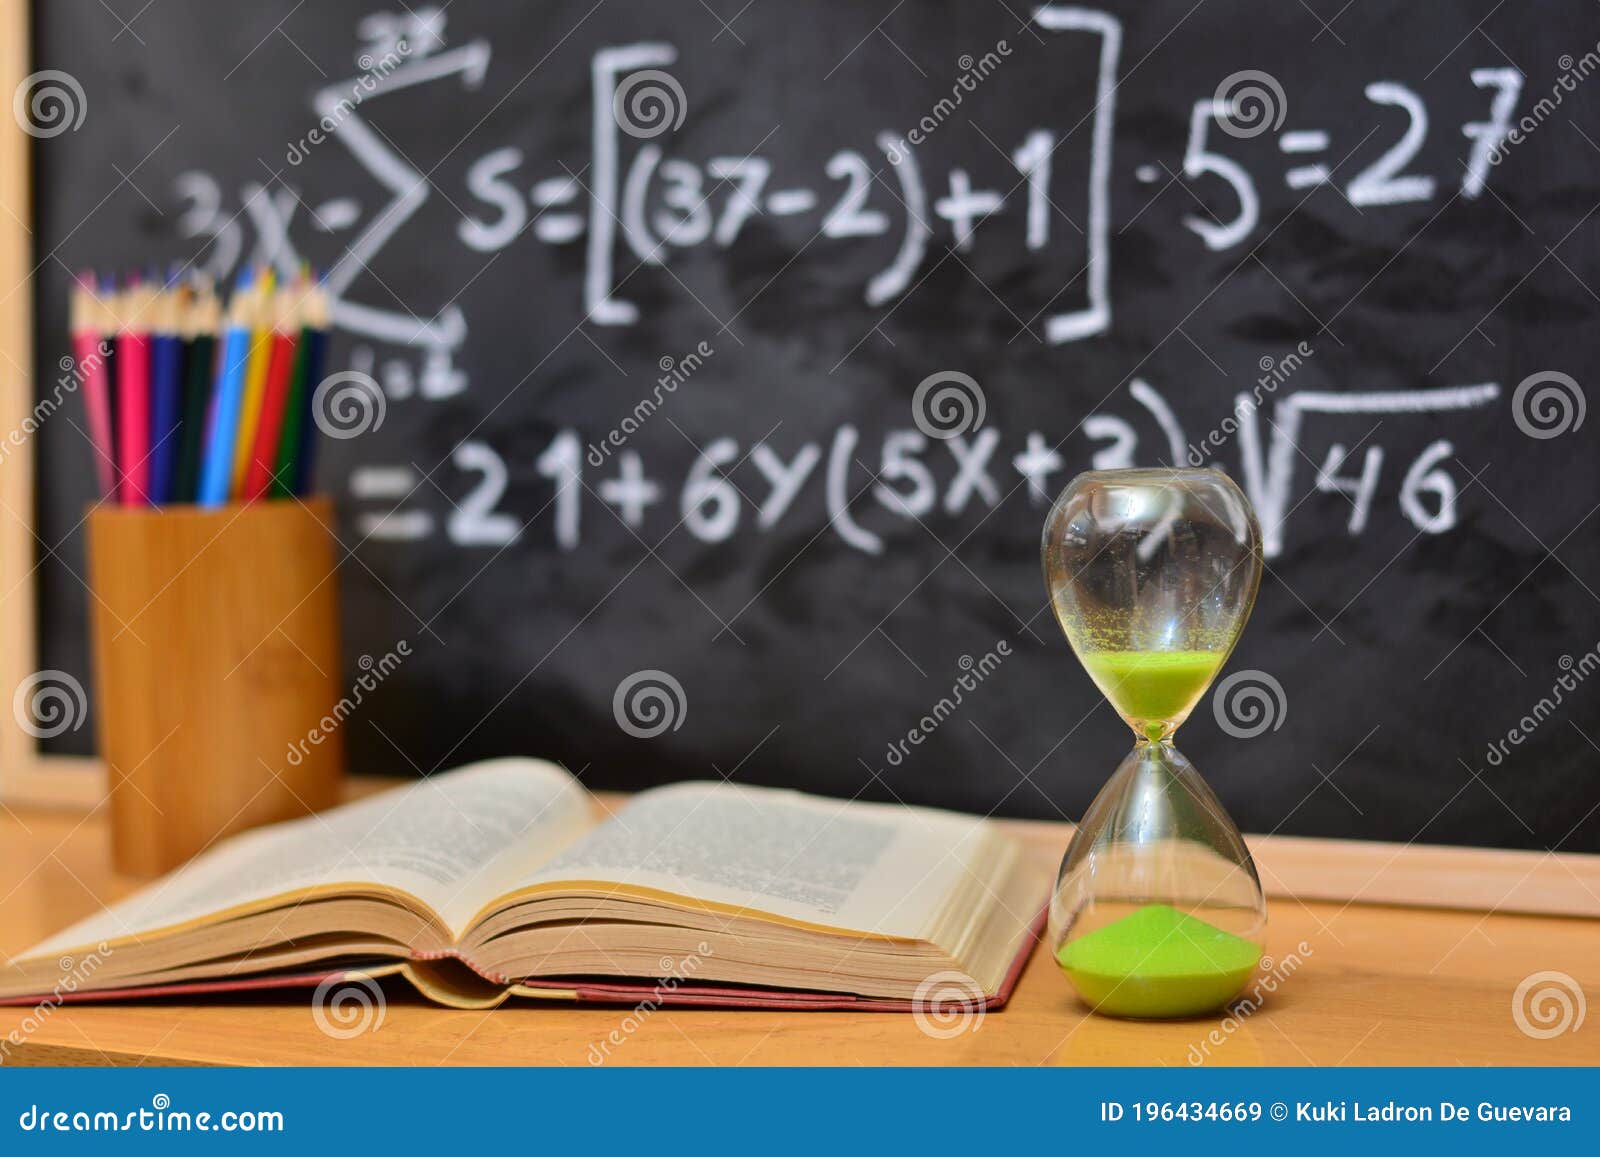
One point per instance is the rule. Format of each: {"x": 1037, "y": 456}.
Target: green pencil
{"x": 199, "y": 330}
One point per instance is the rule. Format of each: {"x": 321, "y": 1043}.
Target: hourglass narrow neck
{"x": 1157, "y": 733}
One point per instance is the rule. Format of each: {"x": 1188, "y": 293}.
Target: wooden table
{"x": 1375, "y": 985}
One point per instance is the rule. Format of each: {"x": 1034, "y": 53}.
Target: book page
{"x": 877, "y": 868}
{"x": 455, "y": 841}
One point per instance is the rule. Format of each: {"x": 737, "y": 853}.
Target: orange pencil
{"x": 255, "y": 378}
{"x": 274, "y": 394}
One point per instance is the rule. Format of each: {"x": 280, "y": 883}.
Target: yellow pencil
{"x": 255, "y": 380}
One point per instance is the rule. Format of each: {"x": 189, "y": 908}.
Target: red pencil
{"x": 275, "y": 394}
{"x": 91, "y": 369}
{"x": 133, "y": 395}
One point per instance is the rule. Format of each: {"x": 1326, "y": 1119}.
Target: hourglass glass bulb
{"x": 1152, "y": 573}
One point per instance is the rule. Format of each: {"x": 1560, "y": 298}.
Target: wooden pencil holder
{"x": 216, "y": 661}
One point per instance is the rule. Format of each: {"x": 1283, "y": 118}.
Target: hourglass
{"x": 1158, "y": 911}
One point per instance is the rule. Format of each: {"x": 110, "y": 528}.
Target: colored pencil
{"x": 255, "y": 381}
{"x": 293, "y": 474}
{"x": 190, "y": 397}
{"x": 222, "y": 433}
{"x": 86, "y": 323}
{"x": 133, "y": 395}
{"x": 109, "y": 299}
{"x": 269, "y": 430}
{"x": 202, "y": 318}
{"x": 166, "y": 392}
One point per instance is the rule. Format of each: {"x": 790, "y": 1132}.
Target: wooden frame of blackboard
{"x": 26, "y": 774}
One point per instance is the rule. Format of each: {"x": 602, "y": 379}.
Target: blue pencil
{"x": 216, "y": 472}
{"x": 166, "y": 389}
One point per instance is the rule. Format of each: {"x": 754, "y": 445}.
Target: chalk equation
{"x": 731, "y": 488}
{"x": 637, "y": 204}
{"x": 1254, "y": 104}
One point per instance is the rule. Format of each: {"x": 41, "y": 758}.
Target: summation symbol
{"x": 408, "y": 189}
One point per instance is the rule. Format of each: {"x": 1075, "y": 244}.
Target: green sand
{"x": 1152, "y": 687}
{"x": 1158, "y": 962}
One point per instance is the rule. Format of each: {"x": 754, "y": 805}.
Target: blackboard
{"x": 728, "y": 359}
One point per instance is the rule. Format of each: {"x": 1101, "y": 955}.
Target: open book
{"x": 495, "y": 879}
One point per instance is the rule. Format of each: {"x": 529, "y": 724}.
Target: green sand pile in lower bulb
{"x": 1158, "y": 962}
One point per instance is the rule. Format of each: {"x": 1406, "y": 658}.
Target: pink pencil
{"x": 133, "y": 395}
{"x": 91, "y": 368}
